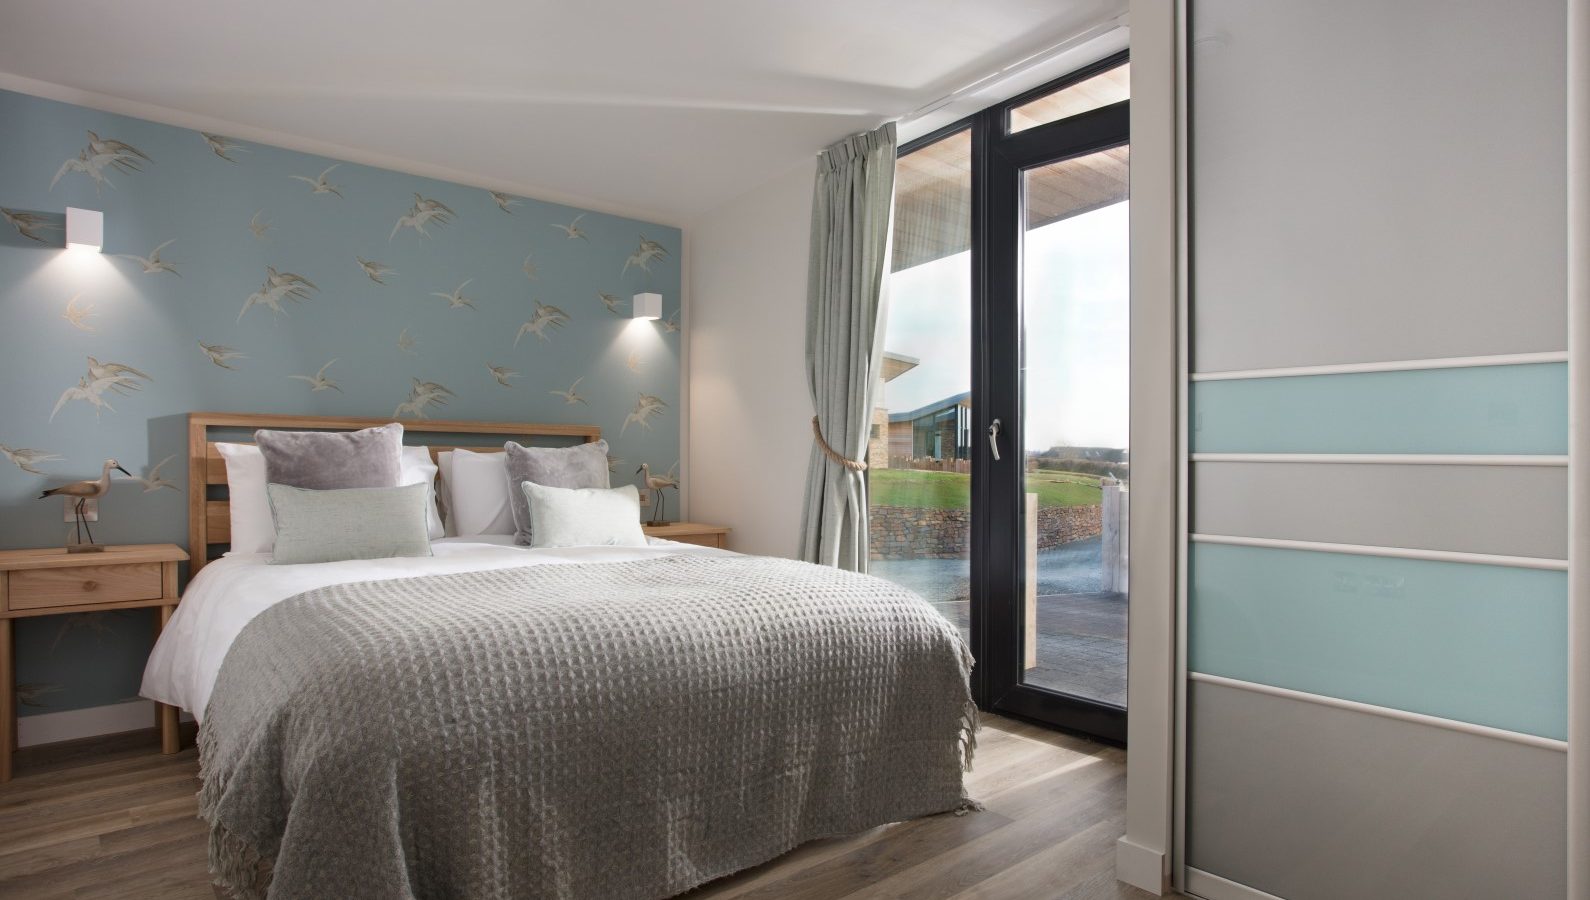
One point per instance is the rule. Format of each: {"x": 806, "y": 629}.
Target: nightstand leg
{"x": 170, "y": 732}
{"x": 8, "y": 701}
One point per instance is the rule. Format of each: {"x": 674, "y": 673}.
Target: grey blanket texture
{"x": 603, "y": 730}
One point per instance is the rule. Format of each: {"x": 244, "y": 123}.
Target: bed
{"x": 495, "y": 721}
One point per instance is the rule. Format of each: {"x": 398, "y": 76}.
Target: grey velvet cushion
{"x": 582, "y": 466}
{"x": 330, "y": 460}
{"x": 353, "y": 523}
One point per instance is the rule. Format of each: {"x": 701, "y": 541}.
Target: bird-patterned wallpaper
{"x": 243, "y": 277}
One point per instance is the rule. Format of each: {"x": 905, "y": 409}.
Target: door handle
{"x": 993, "y": 439}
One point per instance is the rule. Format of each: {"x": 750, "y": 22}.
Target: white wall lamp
{"x": 647, "y": 306}
{"x": 85, "y": 229}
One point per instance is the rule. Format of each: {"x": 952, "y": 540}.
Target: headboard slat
{"x": 210, "y": 521}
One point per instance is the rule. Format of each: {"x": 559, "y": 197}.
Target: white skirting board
{"x": 1213, "y": 887}
{"x": 1140, "y": 867}
{"x": 71, "y": 724}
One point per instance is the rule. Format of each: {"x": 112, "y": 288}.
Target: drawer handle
{"x": 90, "y": 585}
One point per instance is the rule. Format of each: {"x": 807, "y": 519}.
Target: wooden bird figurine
{"x": 85, "y": 491}
{"x": 656, "y": 484}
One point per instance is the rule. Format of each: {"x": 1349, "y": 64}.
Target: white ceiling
{"x": 659, "y": 109}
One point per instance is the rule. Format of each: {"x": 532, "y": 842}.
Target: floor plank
{"x": 122, "y": 823}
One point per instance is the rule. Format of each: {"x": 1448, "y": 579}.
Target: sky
{"x": 1076, "y": 331}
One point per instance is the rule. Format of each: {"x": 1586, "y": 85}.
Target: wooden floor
{"x": 120, "y": 822}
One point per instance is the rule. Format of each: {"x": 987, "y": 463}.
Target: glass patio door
{"x": 1054, "y": 545}
{"x": 998, "y": 469}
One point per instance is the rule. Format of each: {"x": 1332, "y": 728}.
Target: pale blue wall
{"x": 153, "y": 322}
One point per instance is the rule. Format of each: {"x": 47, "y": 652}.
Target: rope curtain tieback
{"x": 831, "y": 453}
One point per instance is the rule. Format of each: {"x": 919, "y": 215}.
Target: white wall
{"x": 750, "y": 413}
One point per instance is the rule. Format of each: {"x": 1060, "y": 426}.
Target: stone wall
{"x": 900, "y": 532}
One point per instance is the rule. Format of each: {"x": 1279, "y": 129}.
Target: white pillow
{"x": 418, "y": 469}
{"x": 584, "y": 517}
{"x": 478, "y": 499}
{"x": 253, "y": 526}
{"x": 444, "y": 490}
{"x": 253, "y": 529}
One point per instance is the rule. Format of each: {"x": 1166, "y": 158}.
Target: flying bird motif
{"x": 26, "y": 459}
{"x": 90, "y": 393}
{"x": 86, "y": 164}
{"x": 645, "y": 408}
{"x": 116, "y": 376}
{"x": 407, "y": 342}
{"x": 373, "y": 269}
{"x": 96, "y": 623}
{"x": 671, "y": 324}
{"x": 258, "y": 226}
{"x": 422, "y": 213}
{"x": 154, "y": 481}
{"x": 503, "y": 201}
{"x": 278, "y": 285}
{"x": 220, "y": 355}
{"x": 29, "y": 225}
{"x": 613, "y": 462}
{"x": 545, "y": 315}
{"x": 127, "y": 156}
{"x": 611, "y": 301}
{"x": 153, "y": 263}
{"x": 78, "y": 314}
{"x": 319, "y": 381}
{"x": 456, "y": 299}
{"x": 423, "y": 395}
{"x": 319, "y": 184}
{"x": 570, "y": 396}
{"x": 99, "y": 155}
{"x": 502, "y": 374}
{"x": 31, "y": 693}
{"x": 633, "y": 362}
{"x": 529, "y": 268}
{"x": 573, "y": 229}
{"x": 221, "y": 146}
{"x": 644, "y": 255}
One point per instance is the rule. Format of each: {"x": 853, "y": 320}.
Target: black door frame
{"x": 998, "y": 489}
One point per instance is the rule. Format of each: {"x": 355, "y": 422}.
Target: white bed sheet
{"x": 232, "y": 590}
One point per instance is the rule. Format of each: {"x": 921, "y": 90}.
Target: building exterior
{"x": 894, "y": 365}
{"x": 939, "y": 431}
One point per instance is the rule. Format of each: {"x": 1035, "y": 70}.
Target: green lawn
{"x": 948, "y": 490}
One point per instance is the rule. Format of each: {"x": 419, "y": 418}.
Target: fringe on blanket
{"x": 234, "y": 863}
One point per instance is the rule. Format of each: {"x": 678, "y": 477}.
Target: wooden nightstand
{"x": 52, "y": 581}
{"x": 691, "y": 533}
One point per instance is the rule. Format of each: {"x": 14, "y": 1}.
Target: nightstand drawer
{"x": 81, "y": 585}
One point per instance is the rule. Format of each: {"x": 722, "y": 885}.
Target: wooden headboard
{"x": 210, "y": 519}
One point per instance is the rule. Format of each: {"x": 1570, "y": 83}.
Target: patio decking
{"x": 1081, "y": 643}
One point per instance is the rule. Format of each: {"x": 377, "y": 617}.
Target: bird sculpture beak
{"x": 637, "y": 471}
{"x": 124, "y": 471}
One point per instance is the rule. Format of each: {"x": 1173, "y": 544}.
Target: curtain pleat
{"x": 851, "y": 205}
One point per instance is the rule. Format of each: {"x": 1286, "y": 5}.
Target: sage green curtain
{"x": 851, "y": 206}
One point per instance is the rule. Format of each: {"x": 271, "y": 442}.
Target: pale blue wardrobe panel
{"x": 1478, "y": 409}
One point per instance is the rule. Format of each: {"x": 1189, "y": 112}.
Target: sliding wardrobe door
{"x": 1054, "y": 384}
{"x": 1376, "y": 584}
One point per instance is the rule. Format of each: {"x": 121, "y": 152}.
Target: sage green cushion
{"x": 352, "y": 523}
{"x": 584, "y": 517}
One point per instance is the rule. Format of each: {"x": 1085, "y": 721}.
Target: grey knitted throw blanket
{"x": 610, "y": 730}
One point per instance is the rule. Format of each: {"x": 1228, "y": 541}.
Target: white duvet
{"x": 231, "y": 591}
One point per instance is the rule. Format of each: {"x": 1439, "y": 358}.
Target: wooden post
{"x": 1113, "y": 528}
{"x": 1030, "y": 596}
